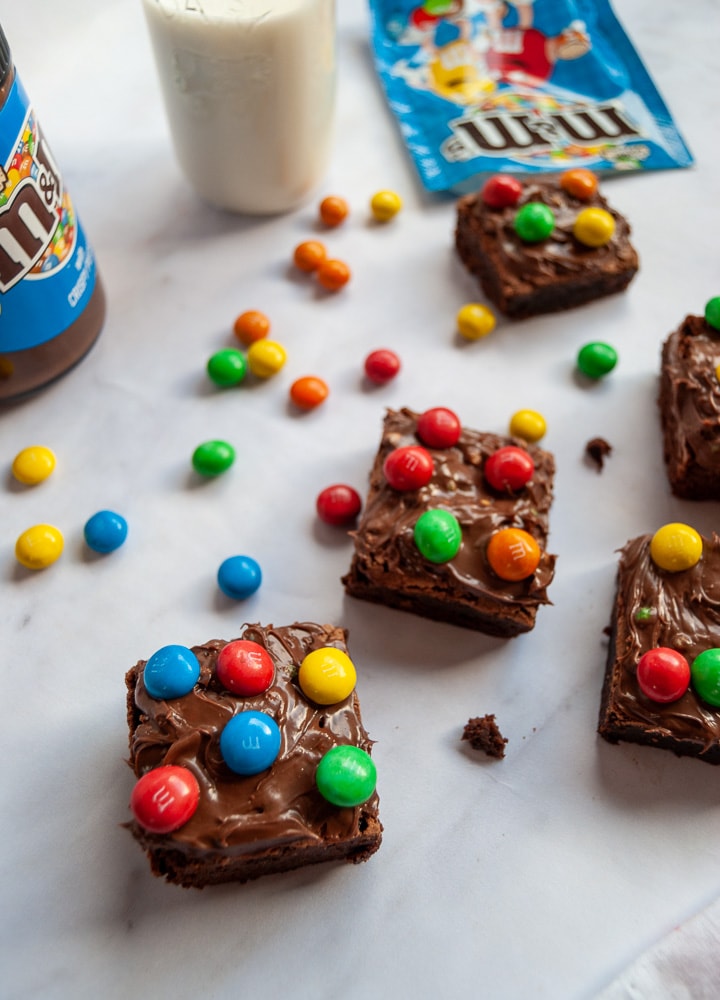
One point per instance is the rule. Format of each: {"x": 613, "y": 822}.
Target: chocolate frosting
{"x": 657, "y": 608}
{"x": 281, "y": 805}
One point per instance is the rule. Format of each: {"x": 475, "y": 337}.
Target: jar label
{"x": 47, "y": 268}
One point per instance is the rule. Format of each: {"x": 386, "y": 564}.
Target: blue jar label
{"x": 47, "y": 268}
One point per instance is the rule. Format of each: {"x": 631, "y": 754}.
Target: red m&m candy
{"x": 165, "y": 798}
{"x": 382, "y": 366}
{"x": 338, "y": 504}
{"x": 509, "y": 469}
{"x": 501, "y": 191}
{"x": 408, "y": 468}
{"x": 663, "y": 674}
{"x": 245, "y": 667}
{"x": 439, "y": 428}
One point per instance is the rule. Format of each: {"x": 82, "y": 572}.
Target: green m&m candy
{"x": 437, "y": 8}
{"x": 346, "y": 776}
{"x": 227, "y": 367}
{"x": 712, "y": 312}
{"x": 705, "y": 676}
{"x": 596, "y": 359}
{"x": 438, "y": 535}
{"x": 213, "y": 457}
{"x": 534, "y": 222}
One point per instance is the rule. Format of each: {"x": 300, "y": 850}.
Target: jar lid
{"x": 5, "y": 57}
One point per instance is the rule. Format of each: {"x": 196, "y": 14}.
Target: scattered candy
{"x": 171, "y": 672}
{"x": 663, "y": 674}
{"x": 266, "y": 358}
{"x": 39, "y": 546}
{"x": 165, "y": 798}
{"x": 346, "y": 776}
{"x": 211, "y": 458}
{"x": 513, "y": 554}
{"x": 382, "y": 366}
{"x": 596, "y": 359}
{"x": 594, "y": 227}
{"x": 528, "y": 424}
{"x": 309, "y": 255}
{"x": 712, "y": 312}
{"x": 250, "y": 742}
{"x": 338, "y": 505}
{"x": 580, "y": 183}
{"x": 705, "y": 671}
{"x": 408, "y": 468}
{"x": 245, "y": 668}
{"x": 251, "y": 326}
{"x": 105, "y": 531}
{"x": 475, "y": 321}
{"x": 509, "y": 469}
{"x": 308, "y": 392}
{"x": 227, "y": 367}
{"x": 438, "y": 535}
{"x": 534, "y": 222}
{"x": 239, "y": 577}
{"x": 439, "y": 428}
{"x": 34, "y": 464}
{"x": 501, "y": 191}
{"x": 333, "y": 210}
{"x": 333, "y": 274}
{"x": 327, "y": 676}
{"x": 385, "y": 205}
{"x": 676, "y": 547}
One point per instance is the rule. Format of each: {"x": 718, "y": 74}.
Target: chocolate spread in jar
{"x": 52, "y": 304}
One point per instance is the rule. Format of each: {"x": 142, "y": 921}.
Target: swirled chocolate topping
{"x": 388, "y": 567}
{"x": 654, "y": 608}
{"x": 273, "y": 820}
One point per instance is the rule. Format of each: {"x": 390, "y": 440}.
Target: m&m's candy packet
{"x": 481, "y": 86}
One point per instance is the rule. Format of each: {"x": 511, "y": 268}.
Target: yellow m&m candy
{"x": 32, "y": 465}
{"x": 676, "y": 547}
{"x": 528, "y": 425}
{"x": 594, "y": 227}
{"x": 385, "y": 205}
{"x": 474, "y": 321}
{"x": 39, "y": 546}
{"x": 266, "y": 358}
{"x": 327, "y": 675}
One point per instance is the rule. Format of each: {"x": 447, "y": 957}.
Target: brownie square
{"x": 387, "y": 566}
{"x": 274, "y": 821}
{"x": 689, "y": 403}
{"x": 654, "y": 608}
{"x": 525, "y": 279}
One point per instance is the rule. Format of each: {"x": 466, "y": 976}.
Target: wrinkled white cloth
{"x": 684, "y": 965}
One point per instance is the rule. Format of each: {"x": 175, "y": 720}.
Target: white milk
{"x": 249, "y": 90}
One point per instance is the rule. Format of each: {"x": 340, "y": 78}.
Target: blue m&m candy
{"x": 171, "y": 672}
{"x": 105, "y": 531}
{"x": 250, "y": 742}
{"x": 239, "y": 577}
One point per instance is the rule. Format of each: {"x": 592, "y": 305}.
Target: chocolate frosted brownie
{"x": 546, "y": 264}
{"x": 689, "y": 403}
{"x": 236, "y": 816}
{"x": 674, "y": 616}
{"x": 394, "y": 564}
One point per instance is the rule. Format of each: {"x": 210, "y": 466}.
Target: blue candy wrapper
{"x": 481, "y": 86}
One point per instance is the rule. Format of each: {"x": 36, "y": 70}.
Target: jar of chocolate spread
{"x": 52, "y": 304}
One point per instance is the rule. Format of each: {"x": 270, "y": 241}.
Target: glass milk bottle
{"x": 249, "y": 91}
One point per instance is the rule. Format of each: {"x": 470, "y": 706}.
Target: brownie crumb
{"x": 483, "y": 734}
{"x": 597, "y": 451}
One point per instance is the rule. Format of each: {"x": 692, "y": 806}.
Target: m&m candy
{"x": 509, "y": 469}
{"x": 528, "y": 424}
{"x": 309, "y": 255}
{"x": 385, "y": 205}
{"x": 171, "y": 672}
{"x": 333, "y": 274}
{"x": 33, "y": 465}
{"x": 333, "y": 210}
{"x": 265, "y": 358}
{"x": 534, "y": 222}
{"x": 594, "y": 227}
{"x": 327, "y": 675}
{"x": 438, "y": 535}
{"x": 250, "y": 326}
{"x": 439, "y": 428}
{"x": 705, "y": 672}
{"x": 580, "y": 183}
{"x": 382, "y": 366}
{"x": 39, "y": 546}
{"x": 501, "y": 191}
{"x": 105, "y": 531}
{"x": 250, "y": 742}
{"x": 408, "y": 468}
{"x": 513, "y": 554}
{"x": 676, "y": 547}
{"x": 165, "y": 798}
{"x": 338, "y": 504}
{"x": 663, "y": 674}
{"x": 596, "y": 359}
{"x": 239, "y": 577}
{"x": 227, "y": 367}
{"x": 245, "y": 668}
{"x": 712, "y": 312}
{"x": 475, "y": 321}
{"x": 211, "y": 458}
{"x": 308, "y": 392}
{"x": 346, "y": 776}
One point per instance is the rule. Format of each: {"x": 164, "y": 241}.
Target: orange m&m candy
{"x": 333, "y": 274}
{"x": 308, "y": 392}
{"x": 513, "y": 554}
{"x": 333, "y": 210}
{"x": 309, "y": 255}
{"x": 580, "y": 183}
{"x": 251, "y": 326}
